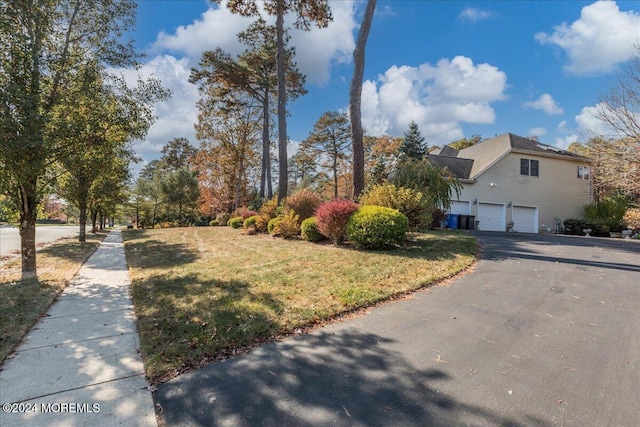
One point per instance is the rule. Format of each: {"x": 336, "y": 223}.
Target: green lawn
{"x": 22, "y": 303}
{"x": 204, "y": 293}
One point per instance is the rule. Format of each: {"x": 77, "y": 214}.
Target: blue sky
{"x": 457, "y": 68}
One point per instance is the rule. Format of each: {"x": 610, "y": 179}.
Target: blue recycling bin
{"x": 452, "y": 220}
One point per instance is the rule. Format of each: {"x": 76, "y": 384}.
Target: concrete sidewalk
{"x": 80, "y": 364}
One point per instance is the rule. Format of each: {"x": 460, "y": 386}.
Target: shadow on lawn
{"x": 158, "y": 254}
{"x": 186, "y": 321}
{"x": 327, "y": 378}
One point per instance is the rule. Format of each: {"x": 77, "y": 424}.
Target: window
{"x": 584, "y": 172}
{"x": 529, "y": 167}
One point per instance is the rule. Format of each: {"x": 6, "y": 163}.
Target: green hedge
{"x": 235, "y": 222}
{"x": 309, "y": 230}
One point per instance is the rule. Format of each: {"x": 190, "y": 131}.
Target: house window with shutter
{"x": 529, "y": 167}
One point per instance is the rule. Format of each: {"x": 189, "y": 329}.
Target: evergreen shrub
{"x": 235, "y": 222}
{"x": 309, "y": 230}
{"x": 377, "y": 227}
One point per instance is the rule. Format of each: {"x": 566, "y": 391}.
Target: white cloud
{"x": 562, "y": 126}
{"x": 538, "y": 131}
{"x": 602, "y": 37}
{"x": 565, "y": 142}
{"x": 544, "y": 103}
{"x": 472, "y": 14}
{"x": 438, "y": 97}
{"x": 176, "y": 117}
{"x": 590, "y": 125}
{"x": 316, "y": 50}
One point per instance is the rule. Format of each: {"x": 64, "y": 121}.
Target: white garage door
{"x": 460, "y": 207}
{"x": 491, "y": 217}
{"x": 525, "y": 219}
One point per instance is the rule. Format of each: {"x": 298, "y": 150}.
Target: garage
{"x": 525, "y": 219}
{"x": 491, "y": 217}
{"x": 460, "y": 207}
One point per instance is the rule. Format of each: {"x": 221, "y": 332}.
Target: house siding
{"x": 556, "y": 192}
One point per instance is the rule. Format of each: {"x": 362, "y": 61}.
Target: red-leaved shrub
{"x": 332, "y": 218}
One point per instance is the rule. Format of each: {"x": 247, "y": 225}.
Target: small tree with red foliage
{"x": 332, "y": 218}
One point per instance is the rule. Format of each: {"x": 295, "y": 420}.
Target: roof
{"x": 486, "y": 153}
{"x": 461, "y": 168}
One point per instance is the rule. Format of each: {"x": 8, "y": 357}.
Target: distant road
{"x": 10, "y": 238}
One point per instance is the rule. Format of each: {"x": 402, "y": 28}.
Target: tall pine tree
{"x": 414, "y": 145}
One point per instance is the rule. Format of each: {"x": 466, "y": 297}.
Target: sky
{"x": 456, "y": 68}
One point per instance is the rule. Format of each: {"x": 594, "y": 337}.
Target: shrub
{"x": 286, "y": 226}
{"x": 332, "y": 218}
{"x": 437, "y": 218}
{"x": 377, "y": 227}
{"x": 412, "y": 203}
{"x": 574, "y": 226}
{"x": 223, "y": 218}
{"x": 214, "y": 223}
{"x": 631, "y": 218}
{"x": 309, "y": 230}
{"x": 250, "y": 222}
{"x": 235, "y": 222}
{"x": 304, "y": 203}
{"x": 261, "y": 223}
{"x": 270, "y": 208}
{"x": 607, "y": 213}
{"x": 271, "y": 226}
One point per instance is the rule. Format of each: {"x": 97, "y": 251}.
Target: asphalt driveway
{"x": 544, "y": 332}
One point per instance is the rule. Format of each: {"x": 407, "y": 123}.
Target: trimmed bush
{"x": 332, "y": 218}
{"x": 214, "y": 223}
{"x": 261, "y": 223}
{"x": 304, "y": 203}
{"x": 309, "y": 230}
{"x": 287, "y": 226}
{"x": 235, "y": 222}
{"x": 377, "y": 227}
{"x": 270, "y": 208}
{"x": 250, "y": 222}
{"x": 223, "y": 218}
{"x": 607, "y": 213}
{"x": 271, "y": 226}
{"x": 412, "y": 203}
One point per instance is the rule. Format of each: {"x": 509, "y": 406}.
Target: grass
{"x": 23, "y": 302}
{"x": 203, "y": 294}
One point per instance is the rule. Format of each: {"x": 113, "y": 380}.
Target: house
{"x": 511, "y": 183}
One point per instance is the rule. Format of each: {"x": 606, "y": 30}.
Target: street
{"x": 10, "y": 237}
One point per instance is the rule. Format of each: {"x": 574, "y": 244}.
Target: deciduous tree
{"x": 43, "y": 42}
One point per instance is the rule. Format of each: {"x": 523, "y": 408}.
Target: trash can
{"x": 462, "y": 222}
{"x": 471, "y": 222}
{"x": 452, "y": 220}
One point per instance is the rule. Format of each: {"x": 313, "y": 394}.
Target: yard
{"x": 204, "y": 294}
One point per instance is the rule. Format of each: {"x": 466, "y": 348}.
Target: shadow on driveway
{"x": 350, "y": 378}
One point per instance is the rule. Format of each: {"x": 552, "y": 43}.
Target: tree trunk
{"x": 236, "y": 202}
{"x": 335, "y": 177}
{"x": 28, "y": 215}
{"x": 355, "y": 99}
{"x": 265, "y": 175}
{"x": 82, "y": 236}
{"x": 283, "y": 175}
{"x": 94, "y": 220}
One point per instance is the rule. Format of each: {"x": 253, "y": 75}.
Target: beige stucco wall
{"x": 557, "y": 192}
